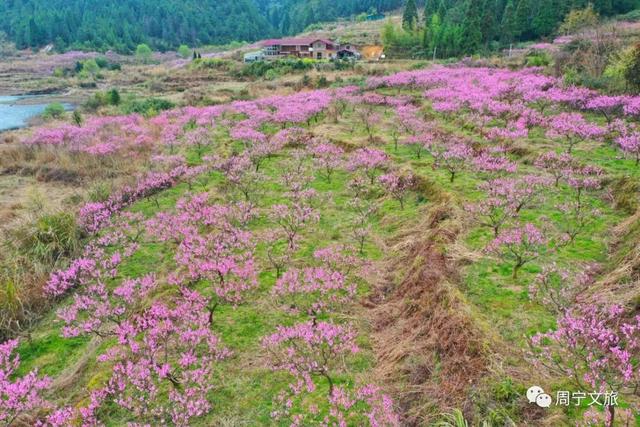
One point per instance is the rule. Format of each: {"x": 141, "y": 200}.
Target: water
{"x": 15, "y": 112}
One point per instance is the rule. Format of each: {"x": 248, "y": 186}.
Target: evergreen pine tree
{"x": 430, "y": 7}
{"x": 410, "y": 16}
{"x": 471, "y": 38}
{"x": 488, "y": 27}
{"x": 442, "y": 10}
{"x": 509, "y": 24}
{"x": 545, "y": 19}
{"x": 523, "y": 15}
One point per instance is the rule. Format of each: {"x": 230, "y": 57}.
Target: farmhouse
{"x": 300, "y": 47}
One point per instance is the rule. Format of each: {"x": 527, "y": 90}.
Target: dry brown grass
{"x": 621, "y": 284}
{"x": 431, "y": 349}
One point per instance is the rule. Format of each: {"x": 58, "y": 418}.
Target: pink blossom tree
{"x": 369, "y": 118}
{"x": 370, "y": 160}
{"x": 520, "y": 245}
{"x": 594, "y": 347}
{"x": 209, "y": 247}
{"x": 279, "y": 251}
{"x": 293, "y": 218}
{"x": 379, "y": 407}
{"x": 493, "y": 212}
{"x": 555, "y": 164}
{"x": 630, "y": 144}
{"x": 337, "y": 257}
{"x": 419, "y": 142}
{"x": 165, "y": 345}
{"x": 241, "y": 176}
{"x": 327, "y": 158}
{"x": 397, "y": 185}
{"x": 578, "y": 214}
{"x": 557, "y": 288}
{"x": 488, "y": 162}
{"x": 573, "y": 128}
{"x": 364, "y": 210}
{"x": 314, "y": 290}
{"x": 608, "y": 106}
{"x": 199, "y": 138}
{"x": 98, "y": 310}
{"x": 310, "y": 349}
{"x": 453, "y": 158}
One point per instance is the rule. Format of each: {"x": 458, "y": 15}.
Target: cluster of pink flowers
{"x": 141, "y": 366}
{"x": 98, "y": 136}
{"x": 18, "y": 395}
{"x": 307, "y": 349}
{"x": 380, "y": 410}
{"x": 314, "y": 289}
{"x": 96, "y": 215}
{"x": 211, "y": 245}
{"x": 594, "y": 346}
{"x": 555, "y": 164}
{"x": 487, "y": 162}
{"x": 99, "y": 260}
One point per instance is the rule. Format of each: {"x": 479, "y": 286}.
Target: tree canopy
{"x": 122, "y": 25}
{"x": 461, "y": 27}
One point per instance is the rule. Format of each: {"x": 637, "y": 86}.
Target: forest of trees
{"x": 457, "y": 27}
{"x": 293, "y": 16}
{"x": 123, "y": 24}
{"x": 165, "y": 24}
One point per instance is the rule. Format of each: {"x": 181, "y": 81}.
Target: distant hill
{"x": 122, "y": 24}
{"x": 165, "y": 24}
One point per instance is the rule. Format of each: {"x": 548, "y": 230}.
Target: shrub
{"x": 322, "y": 82}
{"x": 184, "y": 51}
{"x": 579, "y": 19}
{"x": 77, "y": 118}
{"x": 54, "y": 110}
{"x": 632, "y": 70}
{"x": 147, "y": 107}
{"x": 281, "y": 67}
{"x": 213, "y": 64}
{"x": 538, "y": 59}
{"x": 102, "y": 62}
{"x": 49, "y": 238}
{"x": 271, "y": 75}
{"x": 143, "y": 53}
{"x": 113, "y": 97}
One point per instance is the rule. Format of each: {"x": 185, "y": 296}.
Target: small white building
{"x": 254, "y": 56}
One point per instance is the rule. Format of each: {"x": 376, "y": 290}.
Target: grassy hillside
{"x": 423, "y": 267}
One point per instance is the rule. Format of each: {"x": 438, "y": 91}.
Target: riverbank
{"x": 17, "y": 112}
